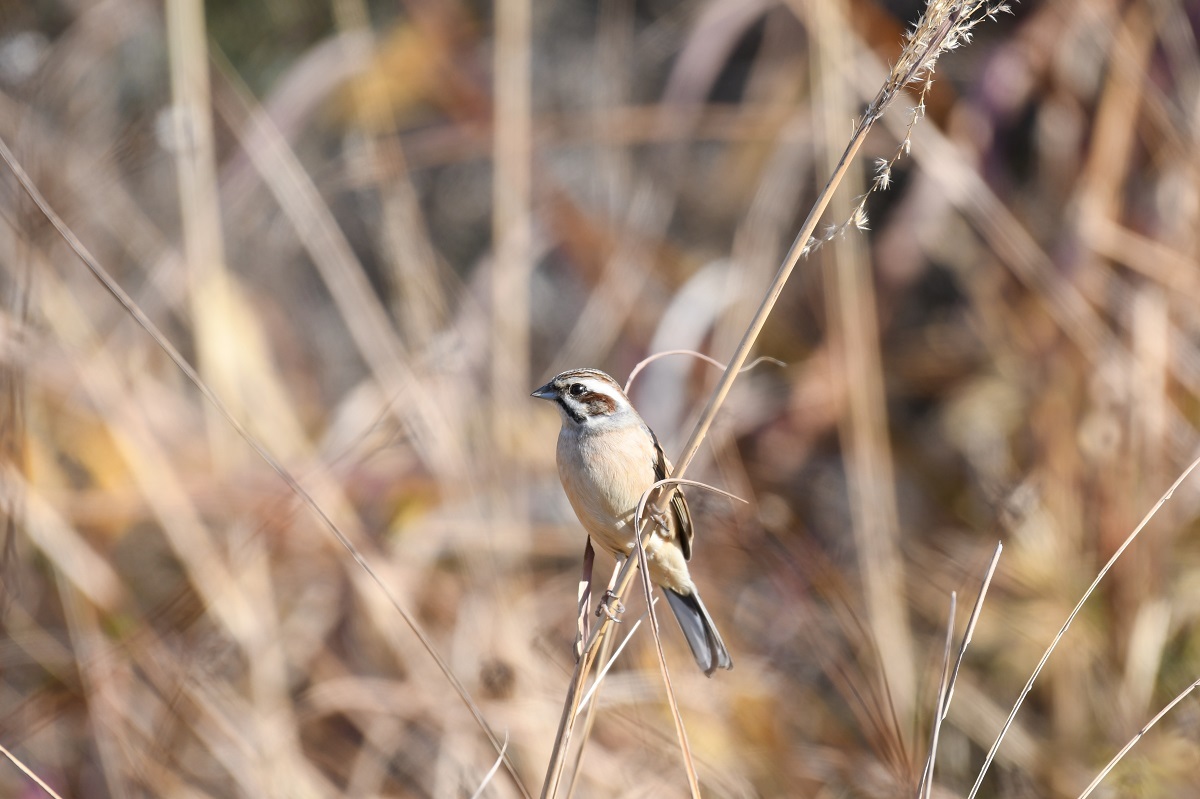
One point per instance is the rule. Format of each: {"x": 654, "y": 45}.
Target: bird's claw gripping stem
{"x": 611, "y": 607}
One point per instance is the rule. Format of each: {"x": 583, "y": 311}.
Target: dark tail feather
{"x": 700, "y": 632}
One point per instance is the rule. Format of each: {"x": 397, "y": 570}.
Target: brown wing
{"x": 679, "y": 509}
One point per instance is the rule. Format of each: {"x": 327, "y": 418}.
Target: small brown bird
{"x": 607, "y": 458}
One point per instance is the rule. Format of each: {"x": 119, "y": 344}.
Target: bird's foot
{"x": 611, "y": 607}
{"x": 660, "y": 518}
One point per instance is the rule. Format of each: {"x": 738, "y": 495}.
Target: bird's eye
{"x": 576, "y": 389}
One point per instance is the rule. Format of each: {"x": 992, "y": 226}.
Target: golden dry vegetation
{"x": 373, "y": 227}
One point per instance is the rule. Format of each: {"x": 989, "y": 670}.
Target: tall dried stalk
{"x": 987, "y": 762}
{"x": 511, "y": 233}
{"x": 364, "y": 314}
{"x": 853, "y": 335}
{"x": 415, "y": 291}
{"x": 212, "y": 292}
{"x": 1137, "y": 737}
{"x": 945, "y": 25}
{"x": 135, "y": 311}
{"x": 28, "y": 772}
{"x": 925, "y": 787}
{"x": 946, "y": 689}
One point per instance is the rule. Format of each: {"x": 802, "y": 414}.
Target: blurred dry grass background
{"x": 375, "y": 226}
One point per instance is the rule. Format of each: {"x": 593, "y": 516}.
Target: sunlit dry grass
{"x": 1009, "y": 351}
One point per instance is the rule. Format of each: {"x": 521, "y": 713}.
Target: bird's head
{"x": 587, "y": 398}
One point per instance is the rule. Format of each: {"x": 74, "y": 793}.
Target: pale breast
{"x": 604, "y": 475}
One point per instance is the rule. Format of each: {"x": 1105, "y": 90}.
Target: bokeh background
{"x": 375, "y": 225}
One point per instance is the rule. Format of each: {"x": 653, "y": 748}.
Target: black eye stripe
{"x": 576, "y": 417}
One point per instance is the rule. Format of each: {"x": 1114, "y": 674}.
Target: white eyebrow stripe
{"x": 605, "y": 389}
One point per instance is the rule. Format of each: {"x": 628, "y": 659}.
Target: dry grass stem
{"x": 417, "y": 295}
{"x": 987, "y": 762}
{"x": 487, "y": 778}
{"x": 945, "y": 25}
{"x": 679, "y": 481}
{"x": 925, "y": 787}
{"x": 685, "y": 748}
{"x": 852, "y": 310}
{"x": 211, "y": 289}
{"x": 642, "y": 364}
{"x": 361, "y": 229}
{"x": 638, "y": 521}
{"x": 610, "y": 659}
{"x": 946, "y": 689}
{"x": 29, "y": 773}
{"x": 583, "y": 665}
{"x": 343, "y": 274}
{"x": 566, "y": 724}
{"x": 972, "y": 620}
{"x": 583, "y": 598}
{"x": 512, "y": 236}
{"x": 164, "y": 344}
{"x": 1133, "y": 741}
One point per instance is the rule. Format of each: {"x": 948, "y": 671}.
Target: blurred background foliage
{"x": 375, "y": 226}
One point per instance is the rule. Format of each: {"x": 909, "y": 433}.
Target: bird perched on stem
{"x": 607, "y": 458}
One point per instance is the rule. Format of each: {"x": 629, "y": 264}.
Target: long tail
{"x": 702, "y": 636}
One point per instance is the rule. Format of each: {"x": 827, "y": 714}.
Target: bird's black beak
{"x": 546, "y": 392}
